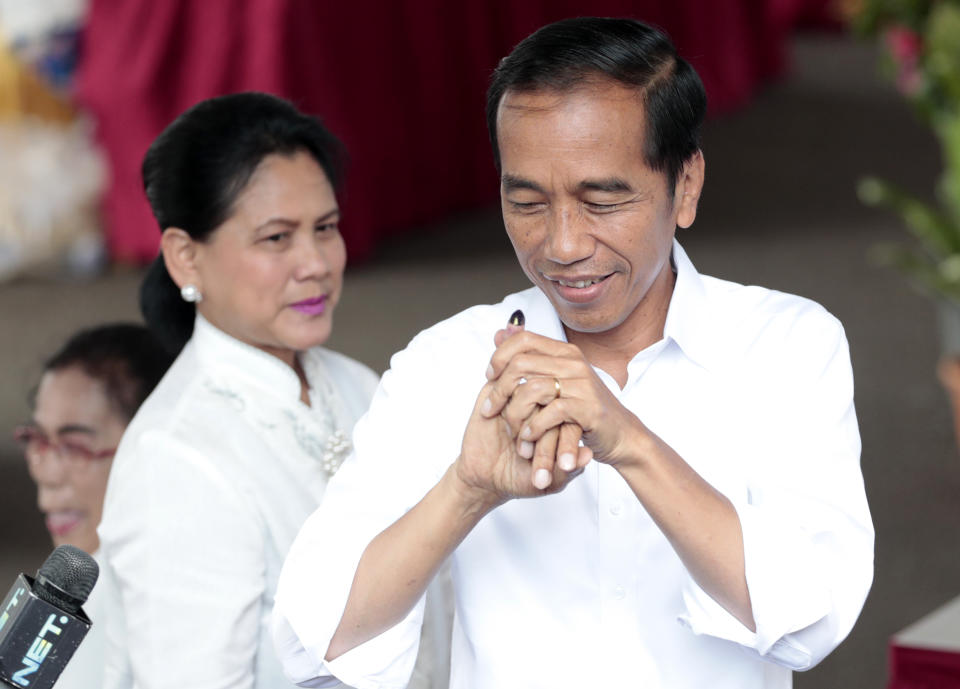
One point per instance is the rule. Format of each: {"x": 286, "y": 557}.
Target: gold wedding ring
{"x": 556, "y": 386}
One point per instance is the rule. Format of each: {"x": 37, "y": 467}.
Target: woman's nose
{"x": 312, "y": 261}
{"x": 46, "y": 468}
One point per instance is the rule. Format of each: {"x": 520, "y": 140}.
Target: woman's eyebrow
{"x": 289, "y": 222}
{"x": 329, "y": 214}
{"x": 76, "y": 428}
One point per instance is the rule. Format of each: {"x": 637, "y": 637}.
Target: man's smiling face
{"x": 592, "y": 224}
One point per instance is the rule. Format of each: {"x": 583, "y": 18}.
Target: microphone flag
{"x": 42, "y": 624}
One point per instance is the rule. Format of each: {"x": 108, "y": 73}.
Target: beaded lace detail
{"x": 329, "y": 445}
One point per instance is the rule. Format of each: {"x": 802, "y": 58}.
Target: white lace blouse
{"x": 213, "y": 479}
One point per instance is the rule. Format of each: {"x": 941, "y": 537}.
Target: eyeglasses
{"x": 35, "y": 443}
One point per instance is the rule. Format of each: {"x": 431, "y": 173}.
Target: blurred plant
{"x": 922, "y": 57}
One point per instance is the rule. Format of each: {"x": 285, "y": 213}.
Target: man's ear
{"x": 180, "y": 253}
{"x": 687, "y": 191}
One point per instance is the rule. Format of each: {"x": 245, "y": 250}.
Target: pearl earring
{"x": 191, "y": 294}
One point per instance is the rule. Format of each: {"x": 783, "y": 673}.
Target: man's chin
{"x": 88, "y": 545}
{"x": 582, "y": 324}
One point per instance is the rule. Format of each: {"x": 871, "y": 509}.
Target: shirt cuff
{"x": 785, "y": 587}
{"x": 393, "y": 654}
{"x": 299, "y": 664}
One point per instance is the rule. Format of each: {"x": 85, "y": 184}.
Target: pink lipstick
{"x": 62, "y": 523}
{"x": 312, "y": 307}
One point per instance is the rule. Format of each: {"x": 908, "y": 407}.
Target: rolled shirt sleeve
{"x": 315, "y": 584}
{"x": 384, "y": 477}
{"x": 807, "y": 532}
{"x": 762, "y": 409}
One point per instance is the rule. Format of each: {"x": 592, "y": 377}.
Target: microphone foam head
{"x": 67, "y": 577}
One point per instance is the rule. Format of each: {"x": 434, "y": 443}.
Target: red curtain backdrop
{"x": 401, "y": 83}
{"x": 923, "y": 668}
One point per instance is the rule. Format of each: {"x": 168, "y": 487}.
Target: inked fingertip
{"x": 517, "y": 318}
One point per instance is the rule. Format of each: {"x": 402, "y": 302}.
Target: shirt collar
{"x": 690, "y": 319}
{"x": 541, "y": 317}
{"x": 219, "y": 351}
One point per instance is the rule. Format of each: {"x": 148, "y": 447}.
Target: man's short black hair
{"x": 572, "y": 52}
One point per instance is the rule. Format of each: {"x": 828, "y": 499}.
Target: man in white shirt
{"x": 687, "y": 446}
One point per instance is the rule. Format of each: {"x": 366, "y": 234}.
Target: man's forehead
{"x": 540, "y": 99}
{"x": 600, "y": 124}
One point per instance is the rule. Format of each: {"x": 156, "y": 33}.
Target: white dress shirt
{"x": 753, "y": 388}
{"x": 214, "y": 476}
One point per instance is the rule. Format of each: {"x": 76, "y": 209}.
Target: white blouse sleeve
{"x": 186, "y": 552}
{"x": 807, "y": 532}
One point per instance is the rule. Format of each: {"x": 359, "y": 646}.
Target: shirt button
{"x": 619, "y": 593}
{"x": 615, "y": 509}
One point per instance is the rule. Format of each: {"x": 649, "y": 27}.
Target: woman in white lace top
{"x": 233, "y": 450}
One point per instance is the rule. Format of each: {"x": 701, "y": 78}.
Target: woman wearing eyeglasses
{"x": 89, "y": 391}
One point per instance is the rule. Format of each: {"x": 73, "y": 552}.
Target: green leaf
{"x": 942, "y": 62}
{"x": 935, "y": 231}
{"x": 922, "y": 274}
{"x": 947, "y": 127}
{"x": 950, "y": 269}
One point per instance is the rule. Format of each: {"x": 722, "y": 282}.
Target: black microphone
{"x": 41, "y": 621}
